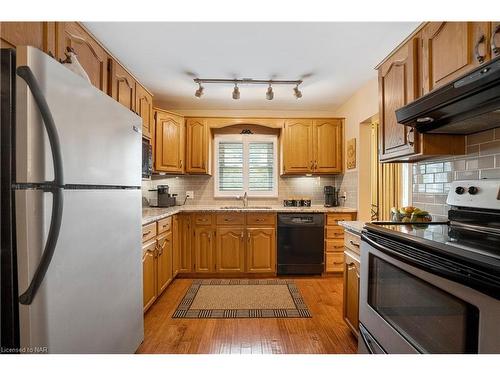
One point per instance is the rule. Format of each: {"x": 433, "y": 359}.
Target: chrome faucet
{"x": 245, "y": 199}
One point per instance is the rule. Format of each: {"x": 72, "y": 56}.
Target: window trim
{"x": 245, "y": 139}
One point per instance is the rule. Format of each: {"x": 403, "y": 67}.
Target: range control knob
{"x": 459, "y": 190}
{"x": 473, "y": 190}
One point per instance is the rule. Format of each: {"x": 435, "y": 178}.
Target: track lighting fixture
{"x": 297, "y": 92}
{"x": 249, "y": 81}
{"x": 270, "y": 93}
{"x": 236, "y": 92}
{"x": 199, "y": 91}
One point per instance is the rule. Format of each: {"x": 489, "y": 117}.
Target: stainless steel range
{"x": 435, "y": 288}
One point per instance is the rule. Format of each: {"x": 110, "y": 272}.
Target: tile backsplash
{"x": 203, "y": 188}
{"x": 432, "y": 178}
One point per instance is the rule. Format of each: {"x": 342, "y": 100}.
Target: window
{"x": 246, "y": 163}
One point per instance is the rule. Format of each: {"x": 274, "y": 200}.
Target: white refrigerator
{"x": 71, "y": 212}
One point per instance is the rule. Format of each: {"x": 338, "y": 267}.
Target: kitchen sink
{"x": 246, "y": 208}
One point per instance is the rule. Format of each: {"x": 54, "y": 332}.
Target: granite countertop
{"x": 150, "y": 214}
{"x": 353, "y": 226}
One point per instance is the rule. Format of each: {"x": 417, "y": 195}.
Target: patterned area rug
{"x": 241, "y": 298}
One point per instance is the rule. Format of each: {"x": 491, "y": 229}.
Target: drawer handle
{"x": 353, "y": 243}
{"x": 479, "y": 57}
{"x": 145, "y": 234}
{"x": 494, "y": 48}
{"x": 338, "y": 262}
{"x": 227, "y": 219}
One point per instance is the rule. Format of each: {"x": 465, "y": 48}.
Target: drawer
{"x": 335, "y": 232}
{"x": 352, "y": 242}
{"x": 333, "y": 219}
{"x": 230, "y": 218}
{"x": 148, "y": 231}
{"x": 203, "y": 219}
{"x": 334, "y": 262}
{"x": 334, "y": 246}
{"x": 257, "y": 218}
{"x": 164, "y": 225}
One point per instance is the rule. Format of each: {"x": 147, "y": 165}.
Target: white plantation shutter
{"x": 230, "y": 164}
{"x": 246, "y": 163}
{"x": 261, "y": 166}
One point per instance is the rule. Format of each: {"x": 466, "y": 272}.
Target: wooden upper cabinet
{"x": 203, "y": 249}
{"x": 169, "y": 141}
{"x": 230, "y": 253}
{"x": 92, "y": 57}
{"x": 164, "y": 271}
{"x": 328, "y": 142}
{"x": 144, "y": 108}
{"x": 197, "y": 146}
{"x": 398, "y": 86}
{"x": 121, "y": 85}
{"x": 261, "y": 250}
{"x": 451, "y": 49}
{"x": 298, "y": 146}
{"x": 37, "y": 34}
{"x": 494, "y": 39}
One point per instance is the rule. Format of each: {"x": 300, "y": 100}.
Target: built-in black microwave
{"x": 147, "y": 159}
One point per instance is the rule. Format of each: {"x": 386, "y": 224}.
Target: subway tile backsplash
{"x": 432, "y": 178}
{"x": 203, "y": 188}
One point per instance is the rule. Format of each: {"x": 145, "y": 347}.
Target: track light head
{"x": 270, "y": 93}
{"x": 297, "y": 92}
{"x": 236, "y": 92}
{"x": 199, "y": 92}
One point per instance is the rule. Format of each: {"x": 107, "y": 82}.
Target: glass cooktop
{"x": 443, "y": 234}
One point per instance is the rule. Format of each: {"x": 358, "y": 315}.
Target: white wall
{"x": 357, "y": 111}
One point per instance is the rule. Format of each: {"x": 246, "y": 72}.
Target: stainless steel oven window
{"x": 430, "y": 319}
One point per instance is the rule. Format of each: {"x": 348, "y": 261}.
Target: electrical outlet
{"x": 190, "y": 194}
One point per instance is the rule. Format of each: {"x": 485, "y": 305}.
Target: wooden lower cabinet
{"x": 185, "y": 254}
{"x": 230, "y": 249}
{"x": 334, "y": 240}
{"x": 351, "y": 291}
{"x": 149, "y": 274}
{"x": 164, "y": 262}
{"x": 261, "y": 250}
{"x": 175, "y": 248}
{"x": 203, "y": 250}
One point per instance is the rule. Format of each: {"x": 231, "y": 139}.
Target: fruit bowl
{"x": 410, "y": 214}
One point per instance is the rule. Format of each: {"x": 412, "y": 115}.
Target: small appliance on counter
{"x": 331, "y": 196}
{"x": 164, "y": 198}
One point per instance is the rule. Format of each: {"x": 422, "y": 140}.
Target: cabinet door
{"x": 149, "y": 274}
{"x": 203, "y": 250}
{"x": 169, "y": 143}
{"x": 37, "y": 34}
{"x": 328, "y": 142}
{"x": 494, "y": 39}
{"x": 164, "y": 271}
{"x": 261, "y": 250}
{"x": 144, "y": 108}
{"x": 92, "y": 57}
{"x": 230, "y": 249}
{"x": 122, "y": 85}
{"x": 175, "y": 246}
{"x": 298, "y": 146}
{"x": 449, "y": 51}
{"x": 398, "y": 85}
{"x": 197, "y": 146}
{"x": 185, "y": 236}
{"x": 351, "y": 292}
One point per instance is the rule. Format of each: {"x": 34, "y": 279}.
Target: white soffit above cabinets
{"x": 333, "y": 58}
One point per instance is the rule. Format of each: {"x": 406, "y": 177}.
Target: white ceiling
{"x": 334, "y": 59}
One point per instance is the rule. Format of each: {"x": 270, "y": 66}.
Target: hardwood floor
{"x": 325, "y": 332}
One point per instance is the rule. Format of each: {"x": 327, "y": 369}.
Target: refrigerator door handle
{"x": 55, "y": 187}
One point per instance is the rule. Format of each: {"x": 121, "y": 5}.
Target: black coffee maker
{"x": 164, "y": 197}
{"x": 331, "y": 196}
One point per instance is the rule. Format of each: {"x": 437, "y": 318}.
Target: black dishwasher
{"x": 300, "y": 244}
